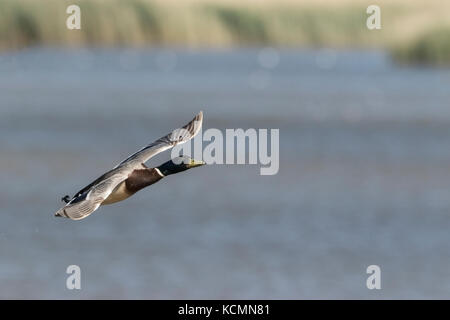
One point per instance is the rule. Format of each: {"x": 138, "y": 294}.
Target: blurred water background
{"x": 364, "y": 175}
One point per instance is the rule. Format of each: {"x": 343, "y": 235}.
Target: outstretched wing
{"x": 84, "y": 204}
{"x": 177, "y": 136}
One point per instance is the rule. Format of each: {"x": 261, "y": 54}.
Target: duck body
{"x": 132, "y": 175}
{"x": 137, "y": 180}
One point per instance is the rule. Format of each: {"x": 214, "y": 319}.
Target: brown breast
{"x": 142, "y": 178}
{"x": 136, "y": 181}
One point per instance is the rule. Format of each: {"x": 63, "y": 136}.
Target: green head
{"x": 179, "y": 164}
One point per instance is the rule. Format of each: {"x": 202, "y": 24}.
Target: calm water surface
{"x": 364, "y": 175}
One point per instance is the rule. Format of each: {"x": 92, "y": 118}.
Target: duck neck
{"x": 167, "y": 168}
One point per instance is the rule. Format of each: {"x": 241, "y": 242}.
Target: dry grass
{"x": 223, "y": 23}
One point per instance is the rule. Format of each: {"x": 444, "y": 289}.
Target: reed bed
{"x": 414, "y": 31}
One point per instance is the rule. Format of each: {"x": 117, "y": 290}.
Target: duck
{"x": 132, "y": 175}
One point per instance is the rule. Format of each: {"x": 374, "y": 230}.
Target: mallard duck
{"x": 132, "y": 175}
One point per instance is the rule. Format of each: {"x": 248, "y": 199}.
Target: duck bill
{"x": 196, "y": 163}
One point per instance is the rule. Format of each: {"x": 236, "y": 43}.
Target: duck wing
{"x": 170, "y": 140}
{"x": 83, "y": 204}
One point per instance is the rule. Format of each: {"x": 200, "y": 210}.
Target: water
{"x": 364, "y": 175}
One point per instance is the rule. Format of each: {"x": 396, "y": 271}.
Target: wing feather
{"x": 82, "y": 206}
{"x": 170, "y": 140}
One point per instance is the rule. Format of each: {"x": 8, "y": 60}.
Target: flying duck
{"x": 132, "y": 175}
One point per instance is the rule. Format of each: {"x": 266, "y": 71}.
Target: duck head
{"x": 179, "y": 164}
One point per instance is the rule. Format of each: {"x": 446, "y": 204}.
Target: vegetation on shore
{"x": 431, "y": 48}
{"x": 413, "y": 29}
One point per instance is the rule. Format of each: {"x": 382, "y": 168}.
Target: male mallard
{"x": 132, "y": 175}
